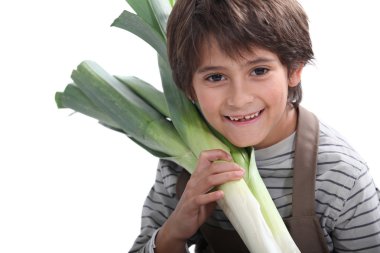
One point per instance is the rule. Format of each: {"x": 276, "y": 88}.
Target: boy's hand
{"x": 215, "y": 167}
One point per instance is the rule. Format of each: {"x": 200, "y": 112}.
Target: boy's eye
{"x": 259, "y": 71}
{"x": 215, "y": 78}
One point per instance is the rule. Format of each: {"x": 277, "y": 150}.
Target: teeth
{"x": 247, "y": 117}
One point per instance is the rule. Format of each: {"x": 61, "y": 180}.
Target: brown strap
{"x": 305, "y": 164}
{"x": 307, "y": 233}
{"x": 304, "y": 225}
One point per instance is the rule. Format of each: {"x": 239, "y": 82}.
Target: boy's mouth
{"x": 243, "y": 118}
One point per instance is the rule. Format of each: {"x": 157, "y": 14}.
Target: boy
{"x": 241, "y": 61}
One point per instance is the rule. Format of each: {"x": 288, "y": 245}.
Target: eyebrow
{"x": 259, "y": 60}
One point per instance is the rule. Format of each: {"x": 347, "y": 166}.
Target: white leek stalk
{"x": 243, "y": 211}
{"x": 269, "y": 210}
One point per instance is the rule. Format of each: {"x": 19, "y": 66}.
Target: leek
{"x": 169, "y": 126}
{"x": 147, "y": 92}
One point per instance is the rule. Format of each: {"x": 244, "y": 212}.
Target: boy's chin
{"x": 241, "y": 143}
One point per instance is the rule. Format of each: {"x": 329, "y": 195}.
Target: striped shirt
{"x": 347, "y": 200}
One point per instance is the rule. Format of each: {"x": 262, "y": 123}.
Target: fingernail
{"x": 240, "y": 172}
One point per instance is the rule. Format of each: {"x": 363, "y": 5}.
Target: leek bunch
{"x": 169, "y": 126}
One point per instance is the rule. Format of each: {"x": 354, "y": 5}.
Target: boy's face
{"x": 245, "y": 99}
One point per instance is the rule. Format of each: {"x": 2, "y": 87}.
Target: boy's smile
{"x": 244, "y": 118}
{"x": 245, "y": 98}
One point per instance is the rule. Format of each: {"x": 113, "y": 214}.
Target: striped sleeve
{"x": 159, "y": 204}
{"x": 347, "y": 199}
{"x": 357, "y": 228}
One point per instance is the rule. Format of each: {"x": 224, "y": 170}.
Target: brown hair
{"x": 280, "y": 26}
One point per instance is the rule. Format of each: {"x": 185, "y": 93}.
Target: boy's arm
{"x": 358, "y": 225}
{"x": 165, "y": 242}
{"x": 159, "y": 204}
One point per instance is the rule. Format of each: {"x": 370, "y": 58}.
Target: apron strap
{"x": 305, "y": 164}
{"x": 304, "y": 225}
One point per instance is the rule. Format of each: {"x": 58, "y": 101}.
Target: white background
{"x": 68, "y": 184}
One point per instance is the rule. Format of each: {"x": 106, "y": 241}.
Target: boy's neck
{"x": 287, "y": 127}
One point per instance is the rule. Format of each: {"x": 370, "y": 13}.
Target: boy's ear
{"x": 295, "y": 76}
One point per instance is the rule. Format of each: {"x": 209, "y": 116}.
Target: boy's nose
{"x": 239, "y": 95}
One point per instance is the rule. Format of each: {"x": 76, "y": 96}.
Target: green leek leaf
{"x": 145, "y": 12}
{"x": 72, "y": 97}
{"x": 134, "y": 24}
{"x": 147, "y": 92}
{"x": 135, "y": 117}
{"x": 186, "y": 117}
{"x": 161, "y": 10}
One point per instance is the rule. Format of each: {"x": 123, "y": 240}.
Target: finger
{"x": 206, "y": 158}
{"x": 222, "y": 178}
{"x": 223, "y": 166}
{"x": 218, "y": 173}
{"x": 192, "y": 205}
{"x": 202, "y": 206}
{"x": 208, "y": 198}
